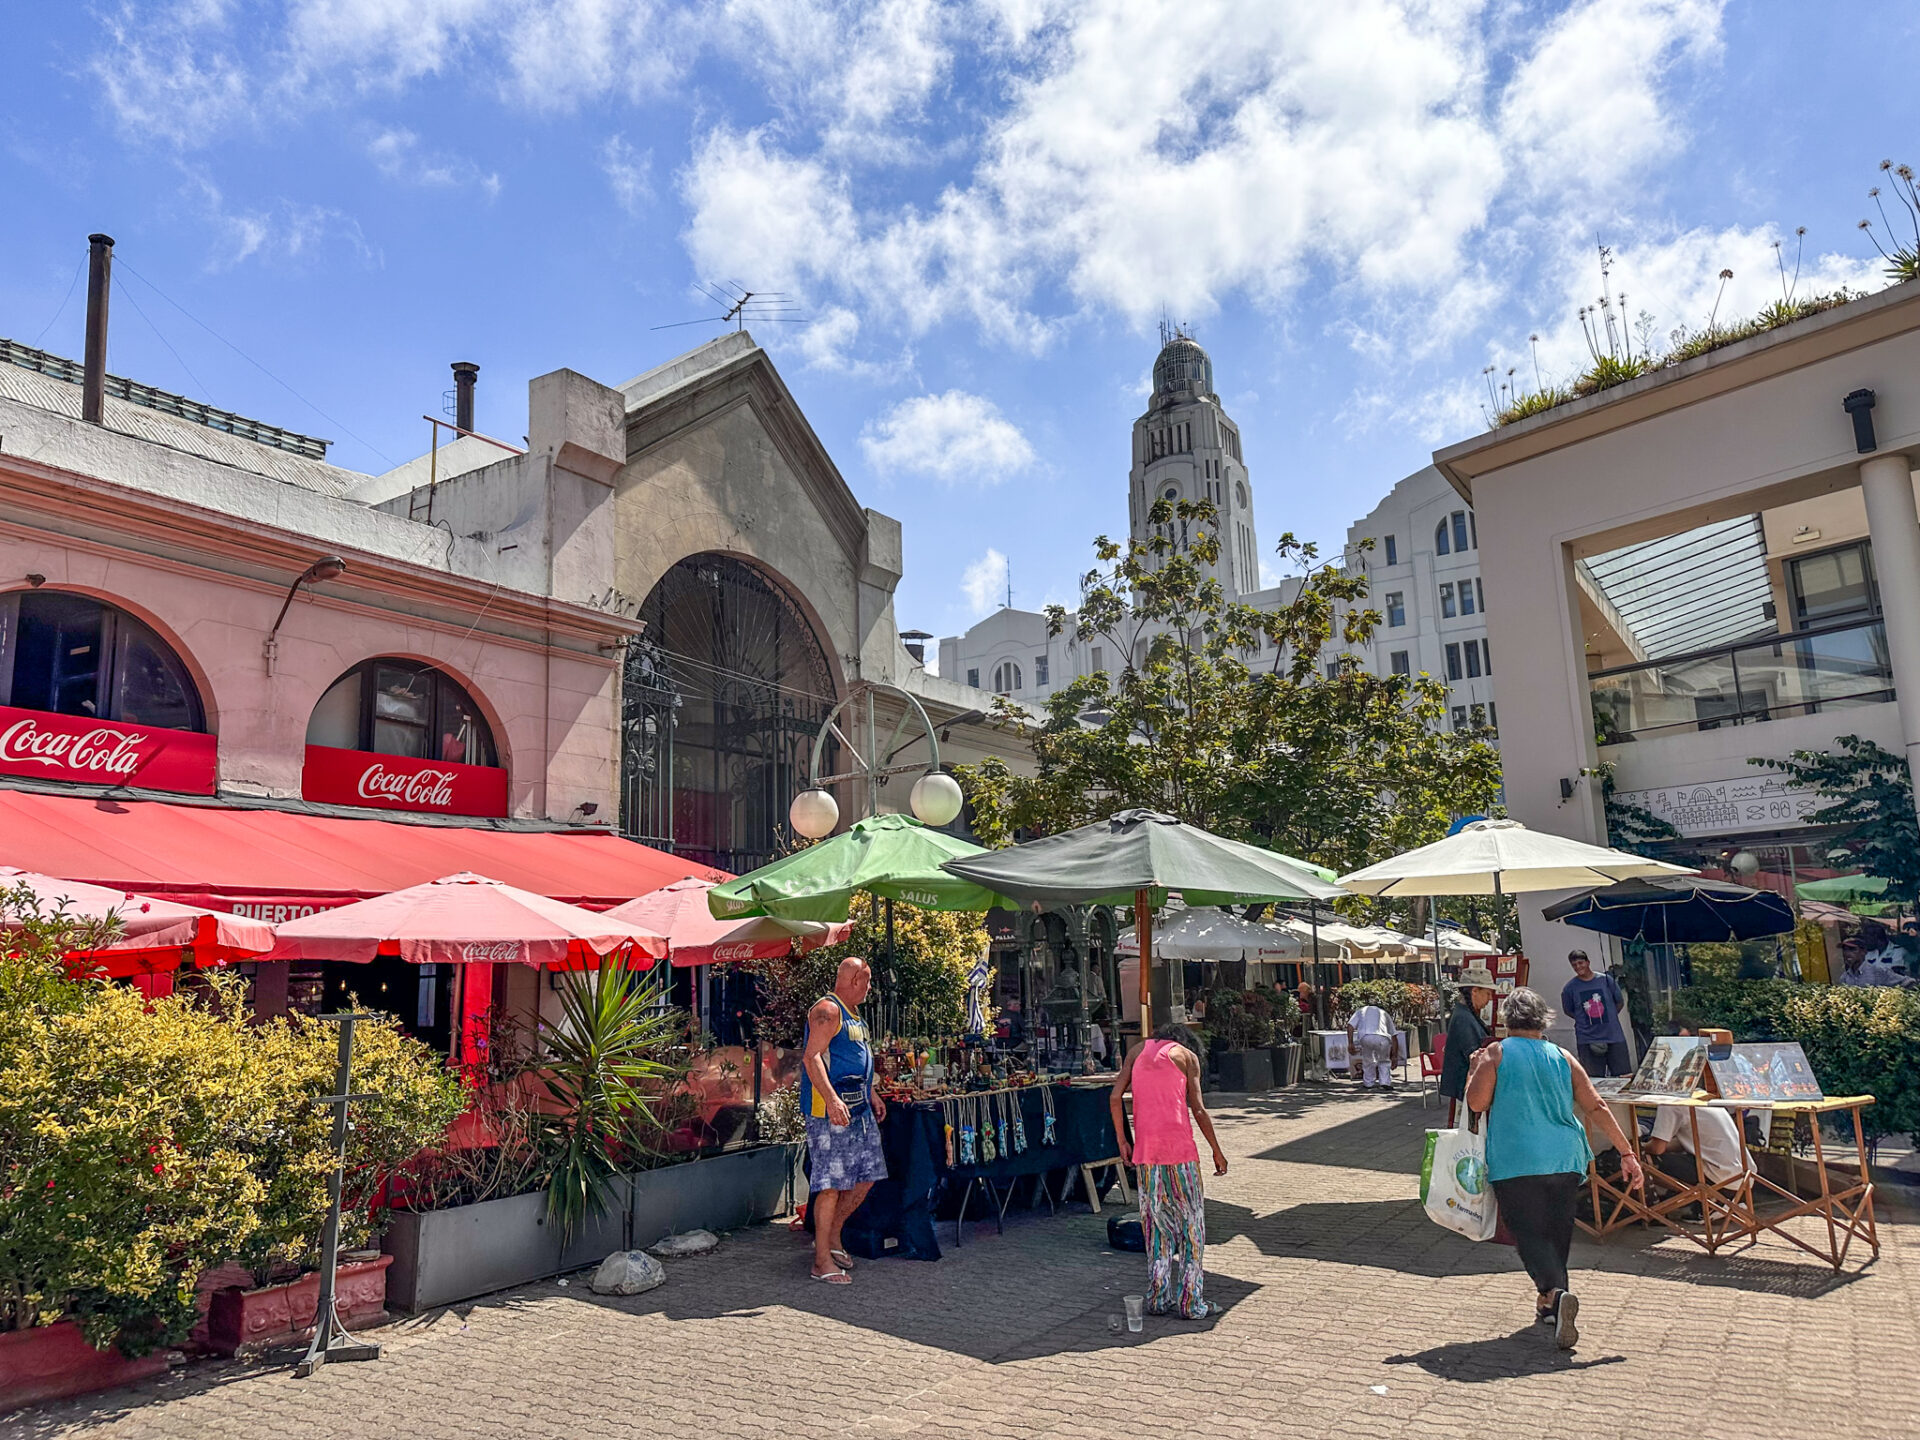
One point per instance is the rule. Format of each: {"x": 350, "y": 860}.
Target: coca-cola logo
{"x": 476, "y": 952}
{"x": 741, "y": 951}
{"x": 102, "y": 750}
{"x": 432, "y": 789}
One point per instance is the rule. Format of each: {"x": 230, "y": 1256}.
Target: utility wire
{"x": 63, "y": 304}
{"x": 255, "y": 363}
{"x": 198, "y": 383}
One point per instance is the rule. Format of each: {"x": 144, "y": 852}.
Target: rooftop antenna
{"x": 739, "y": 305}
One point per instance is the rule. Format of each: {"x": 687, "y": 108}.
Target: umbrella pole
{"x": 1143, "y": 930}
{"x": 1313, "y": 912}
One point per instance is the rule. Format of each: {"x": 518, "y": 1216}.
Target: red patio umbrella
{"x": 679, "y": 911}
{"x": 154, "y": 934}
{"x": 461, "y": 919}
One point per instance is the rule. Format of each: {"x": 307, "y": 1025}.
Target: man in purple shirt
{"x": 1593, "y": 1003}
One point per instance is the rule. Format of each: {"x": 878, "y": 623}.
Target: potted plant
{"x": 1283, "y": 1050}
{"x": 1242, "y": 1040}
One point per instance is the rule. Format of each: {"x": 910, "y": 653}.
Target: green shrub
{"x": 1860, "y": 1041}
{"x": 1405, "y": 1002}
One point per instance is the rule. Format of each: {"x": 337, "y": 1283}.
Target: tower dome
{"x": 1182, "y": 370}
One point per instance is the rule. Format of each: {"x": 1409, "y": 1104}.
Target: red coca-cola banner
{"x": 105, "y": 752}
{"x": 393, "y": 782}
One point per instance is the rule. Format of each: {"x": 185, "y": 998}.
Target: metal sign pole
{"x": 330, "y": 1338}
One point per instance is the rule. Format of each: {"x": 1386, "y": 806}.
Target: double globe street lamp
{"x": 935, "y": 799}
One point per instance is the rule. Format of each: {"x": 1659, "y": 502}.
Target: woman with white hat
{"x": 1466, "y": 1033}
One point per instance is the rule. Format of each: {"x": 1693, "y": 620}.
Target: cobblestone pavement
{"x": 1347, "y": 1314}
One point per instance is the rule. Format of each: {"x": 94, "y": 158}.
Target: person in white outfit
{"x": 1370, "y": 1038}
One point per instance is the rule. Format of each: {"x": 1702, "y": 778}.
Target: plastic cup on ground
{"x": 1136, "y": 1312}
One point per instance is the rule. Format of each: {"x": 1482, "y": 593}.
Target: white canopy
{"x": 1184, "y": 933}
{"x": 1495, "y": 857}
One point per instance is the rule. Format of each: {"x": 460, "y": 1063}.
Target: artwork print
{"x": 1774, "y": 1070}
{"x": 1672, "y": 1065}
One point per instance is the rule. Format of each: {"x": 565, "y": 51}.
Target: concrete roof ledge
{"x": 1746, "y": 362}
{"x": 690, "y": 366}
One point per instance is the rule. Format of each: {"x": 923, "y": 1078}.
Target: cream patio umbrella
{"x": 1502, "y": 857}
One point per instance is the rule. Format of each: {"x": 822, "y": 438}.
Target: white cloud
{"x": 629, "y": 173}
{"x": 955, "y": 437}
{"x": 984, "y": 583}
{"x": 1584, "y": 113}
{"x": 398, "y": 155}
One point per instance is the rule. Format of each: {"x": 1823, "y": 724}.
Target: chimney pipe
{"x": 465, "y": 372}
{"x": 99, "y": 281}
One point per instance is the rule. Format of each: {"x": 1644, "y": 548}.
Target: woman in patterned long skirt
{"x": 1164, "y": 1075}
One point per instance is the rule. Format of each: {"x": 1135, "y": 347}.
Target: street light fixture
{"x": 326, "y": 568}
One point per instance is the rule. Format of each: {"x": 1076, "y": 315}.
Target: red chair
{"x": 1430, "y": 1066}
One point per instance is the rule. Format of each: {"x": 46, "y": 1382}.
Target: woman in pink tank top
{"x": 1164, "y": 1075}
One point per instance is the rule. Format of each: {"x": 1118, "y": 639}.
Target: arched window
{"x": 1006, "y": 678}
{"x": 402, "y": 707}
{"x": 1440, "y": 543}
{"x": 74, "y": 655}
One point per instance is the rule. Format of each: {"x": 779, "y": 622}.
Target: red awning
{"x": 264, "y": 862}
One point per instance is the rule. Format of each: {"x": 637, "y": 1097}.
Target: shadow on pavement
{"x": 1528, "y": 1351}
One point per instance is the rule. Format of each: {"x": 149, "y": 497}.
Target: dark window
{"x": 1399, "y": 663}
{"x": 401, "y": 707}
{"x": 1333, "y": 669}
{"x": 1459, "y": 715}
{"x": 1460, "y": 541}
{"x": 1393, "y": 551}
{"x": 1446, "y": 602}
{"x": 973, "y": 679}
{"x": 1486, "y": 656}
{"x": 1006, "y": 678}
{"x": 1467, "y": 606}
{"x": 1440, "y": 545}
{"x": 1039, "y": 669}
{"x": 1453, "y": 662}
{"x": 74, "y": 655}
{"x": 1473, "y": 660}
{"x": 1836, "y": 585}
{"x": 1493, "y": 717}
{"x": 1396, "y": 608}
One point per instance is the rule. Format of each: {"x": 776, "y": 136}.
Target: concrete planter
{"x": 1286, "y": 1065}
{"x": 51, "y": 1362}
{"x": 440, "y": 1256}
{"x": 248, "y": 1321}
{"x": 1246, "y": 1072}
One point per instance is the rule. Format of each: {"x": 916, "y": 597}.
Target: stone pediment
{"x": 697, "y": 388}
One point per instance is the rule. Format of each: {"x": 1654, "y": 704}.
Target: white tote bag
{"x": 1453, "y": 1182}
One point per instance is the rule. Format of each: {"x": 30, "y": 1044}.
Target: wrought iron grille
{"x": 720, "y": 706}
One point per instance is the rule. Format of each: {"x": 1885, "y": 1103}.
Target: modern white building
{"x": 1715, "y": 563}
{"x": 1423, "y": 573}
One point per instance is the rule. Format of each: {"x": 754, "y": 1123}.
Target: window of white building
{"x": 1446, "y": 602}
{"x": 1453, "y": 662}
{"x": 1400, "y": 663}
{"x": 1473, "y": 660}
{"x": 1393, "y": 551}
{"x": 1006, "y": 678}
{"x": 973, "y": 679}
{"x": 1467, "y": 607}
{"x": 1459, "y": 717}
{"x": 1039, "y": 669}
{"x": 1396, "y": 608}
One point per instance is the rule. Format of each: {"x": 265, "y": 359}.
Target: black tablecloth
{"x": 902, "y": 1207}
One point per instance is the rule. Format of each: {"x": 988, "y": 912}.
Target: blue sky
{"x": 982, "y": 208}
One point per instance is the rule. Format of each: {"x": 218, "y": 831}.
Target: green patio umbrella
{"x": 1136, "y": 857}
{"x": 1843, "y": 889}
{"x": 893, "y": 856}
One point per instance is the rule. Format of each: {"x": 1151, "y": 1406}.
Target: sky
{"x": 979, "y": 212}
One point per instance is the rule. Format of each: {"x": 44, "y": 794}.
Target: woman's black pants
{"x": 1538, "y": 1211}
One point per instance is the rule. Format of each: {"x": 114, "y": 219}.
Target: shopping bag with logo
{"x": 1453, "y": 1182}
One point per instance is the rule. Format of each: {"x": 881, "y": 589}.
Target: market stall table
{"x": 1745, "y": 1206}
{"x": 898, "y": 1215}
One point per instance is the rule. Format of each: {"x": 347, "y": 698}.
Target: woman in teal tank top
{"x": 1529, "y": 1090}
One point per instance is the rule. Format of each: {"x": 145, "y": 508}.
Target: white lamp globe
{"x": 936, "y": 798}
{"x": 1746, "y": 864}
{"x": 813, "y": 814}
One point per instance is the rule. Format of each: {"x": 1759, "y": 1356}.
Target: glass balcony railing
{"x": 1827, "y": 668}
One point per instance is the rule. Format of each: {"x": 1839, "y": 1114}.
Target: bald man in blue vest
{"x": 843, "y": 1115}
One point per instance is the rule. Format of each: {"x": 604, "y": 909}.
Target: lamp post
{"x": 324, "y": 569}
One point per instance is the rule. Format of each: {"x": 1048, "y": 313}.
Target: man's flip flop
{"x": 842, "y": 1259}
{"x": 834, "y": 1277}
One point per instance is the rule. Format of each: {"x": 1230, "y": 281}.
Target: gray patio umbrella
{"x": 1137, "y": 857}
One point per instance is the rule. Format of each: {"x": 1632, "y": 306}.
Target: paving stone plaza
{"x": 1347, "y": 1314}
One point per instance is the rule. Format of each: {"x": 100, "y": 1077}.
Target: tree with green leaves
{"x": 1869, "y": 794}
{"x": 1256, "y": 724}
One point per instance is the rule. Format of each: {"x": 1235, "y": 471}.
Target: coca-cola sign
{"x": 394, "y": 782}
{"x": 476, "y": 952}
{"x": 103, "y": 752}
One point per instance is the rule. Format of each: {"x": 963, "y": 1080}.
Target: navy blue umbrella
{"x": 1676, "y": 910}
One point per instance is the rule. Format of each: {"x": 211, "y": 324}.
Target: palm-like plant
{"x": 610, "y": 1064}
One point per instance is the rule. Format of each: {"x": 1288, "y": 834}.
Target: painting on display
{"x": 1672, "y": 1065}
{"x": 1774, "y": 1070}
